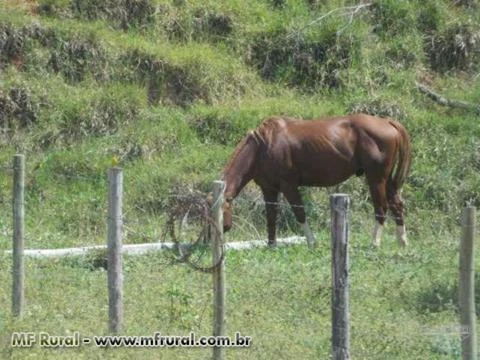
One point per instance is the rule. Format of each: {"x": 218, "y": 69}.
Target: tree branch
{"x": 447, "y": 102}
{"x": 347, "y": 10}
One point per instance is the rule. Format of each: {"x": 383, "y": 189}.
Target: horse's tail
{"x": 404, "y": 157}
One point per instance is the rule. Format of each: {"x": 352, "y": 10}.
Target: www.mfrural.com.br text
{"x": 157, "y": 339}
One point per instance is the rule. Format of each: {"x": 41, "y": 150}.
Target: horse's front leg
{"x": 271, "y": 205}
{"x": 295, "y": 200}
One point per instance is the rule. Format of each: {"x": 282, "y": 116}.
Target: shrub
{"x": 76, "y": 58}
{"x": 401, "y": 55}
{"x": 165, "y": 82}
{"x": 391, "y": 18}
{"x": 469, "y": 4}
{"x": 177, "y": 78}
{"x": 98, "y": 116}
{"x": 52, "y": 8}
{"x": 443, "y": 295}
{"x": 455, "y": 48}
{"x": 212, "y": 128}
{"x": 378, "y": 108}
{"x": 213, "y": 24}
{"x": 125, "y": 14}
{"x": 308, "y": 61}
{"x": 429, "y": 18}
{"x": 12, "y": 43}
{"x": 17, "y": 110}
{"x": 202, "y": 24}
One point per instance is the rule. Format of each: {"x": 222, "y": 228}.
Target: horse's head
{"x": 226, "y": 209}
{"x": 238, "y": 172}
{"x": 227, "y": 214}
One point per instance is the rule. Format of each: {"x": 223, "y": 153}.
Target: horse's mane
{"x": 239, "y": 147}
{"x": 269, "y": 128}
{"x": 263, "y": 135}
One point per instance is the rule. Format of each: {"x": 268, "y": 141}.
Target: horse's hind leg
{"x": 395, "y": 203}
{"x": 271, "y": 198}
{"x": 379, "y": 198}
{"x": 295, "y": 200}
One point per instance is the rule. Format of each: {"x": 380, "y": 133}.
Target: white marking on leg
{"x": 377, "y": 234}
{"x": 308, "y": 235}
{"x": 402, "y": 235}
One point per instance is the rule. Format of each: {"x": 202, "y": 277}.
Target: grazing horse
{"x": 283, "y": 154}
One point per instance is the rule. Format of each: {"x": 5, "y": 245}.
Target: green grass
{"x": 166, "y": 89}
{"x": 401, "y": 301}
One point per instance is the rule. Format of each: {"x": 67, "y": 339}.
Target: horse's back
{"x": 376, "y": 125}
{"x": 365, "y": 121}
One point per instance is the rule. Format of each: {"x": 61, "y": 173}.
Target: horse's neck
{"x": 241, "y": 168}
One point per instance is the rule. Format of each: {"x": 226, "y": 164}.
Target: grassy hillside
{"x": 169, "y": 87}
{"x": 166, "y": 88}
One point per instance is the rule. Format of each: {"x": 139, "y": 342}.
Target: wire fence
{"x": 416, "y": 284}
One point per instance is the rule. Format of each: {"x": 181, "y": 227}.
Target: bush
{"x": 308, "y": 61}
{"x": 455, "y": 48}
{"x": 429, "y": 18}
{"x": 469, "y": 4}
{"x": 391, "y": 18}
{"x": 378, "y": 108}
{"x": 76, "y": 58}
{"x": 125, "y": 14}
{"x": 202, "y": 24}
{"x": 101, "y": 115}
{"x": 213, "y": 128}
{"x": 443, "y": 295}
{"x": 17, "y": 110}
{"x": 12, "y": 43}
{"x": 181, "y": 79}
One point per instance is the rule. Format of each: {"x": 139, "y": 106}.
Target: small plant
{"x": 214, "y": 129}
{"x": 391, "y": 18}
{"x": 17, "y": 110}
{"x": 180, "y": 308}
{"x": 455, "y": 48}
{"x": 200, "y": 24}
{"x": 439, "y": 297}
{"x": 125, "y": 14}
{"x": 379, "y": 108}
{"x": 96, "y": 259}
{"x": 12, "y": 43}
{"x": 76, "y": 58}
{"x": 310, "y": 61}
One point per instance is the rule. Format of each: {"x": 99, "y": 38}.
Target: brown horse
{"x": 283, "y": 154}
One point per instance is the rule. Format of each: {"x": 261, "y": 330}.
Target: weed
{"x": 76, "y": 58}
{"x": 379, "y": 108}
{"x": 11, "y": 45}
{"x": 17, "y": 109}
{"x": 308, "y": 61}
{"x": 391, "y": 18}
{"x": 455, "y": 48}
{"x": 125, "y": 14}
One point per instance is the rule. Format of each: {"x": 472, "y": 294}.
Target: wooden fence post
{"x": 466, "y": 296}
{"x": 339, "y": 204}
{"x": 218, "y": 261}
{"x": 18, "y": 270}
{"x": 114, "y": 249}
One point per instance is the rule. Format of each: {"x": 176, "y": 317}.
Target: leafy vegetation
{"x": 166, "y": 88}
